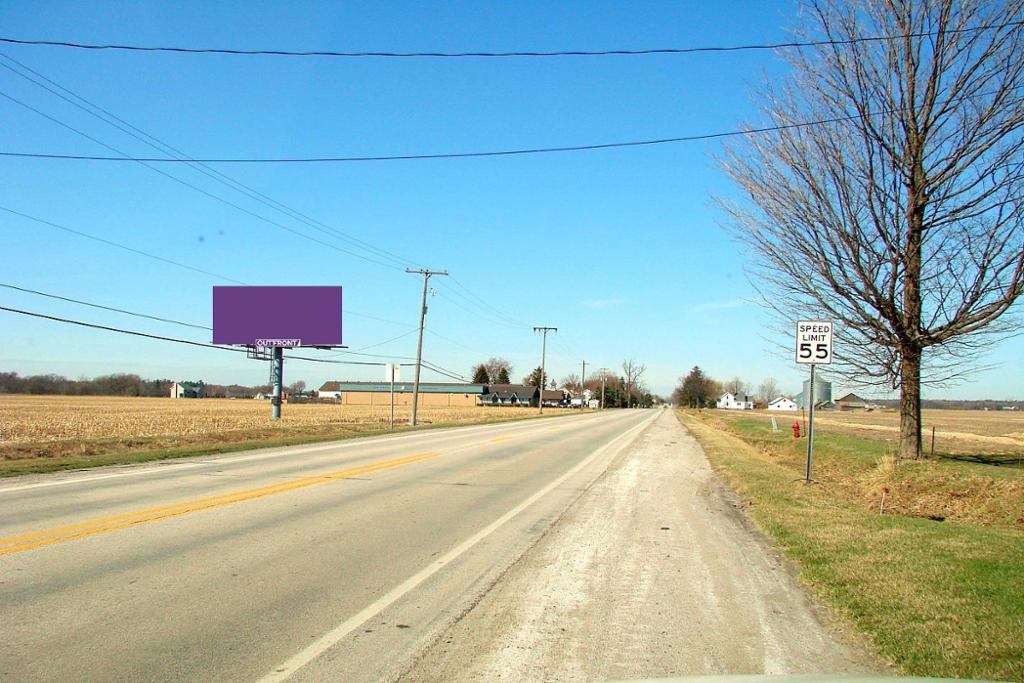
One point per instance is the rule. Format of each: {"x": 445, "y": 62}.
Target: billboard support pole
{"x": 277, "y": 378}
{"x": 419, "y": 344}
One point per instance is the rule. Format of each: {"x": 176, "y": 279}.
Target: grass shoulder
{"x": 936, "y": 598}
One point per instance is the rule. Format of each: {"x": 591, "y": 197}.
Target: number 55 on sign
{"x": 814, "y": 342}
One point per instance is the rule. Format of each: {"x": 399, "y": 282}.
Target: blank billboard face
{"x": 277, "y": 316}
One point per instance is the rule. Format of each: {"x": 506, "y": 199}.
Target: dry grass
{"x": 39, "y": 433}
{"x": 957, "y": 432}
{"x": 936, "y": 598}
{"x": 972, "y": 486}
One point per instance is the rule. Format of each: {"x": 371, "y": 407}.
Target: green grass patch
{"x": 942, "y": 599}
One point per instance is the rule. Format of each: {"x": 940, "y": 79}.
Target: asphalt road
{"x": 340, "y": 561}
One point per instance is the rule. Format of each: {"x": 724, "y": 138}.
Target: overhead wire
{"x": 177, "y": 264}
{"x": 118, "y": 245}
{"x": 215, "y": 197}
{"x": 458, "y": 283}
{"x": 104, "y": 307}
{"x": 507, "y": 54}
{"x": 443, "y": 371}
{"x": 388, "y": 341}
{"x": 451, "y": 155}
{"x": 128, "y": 128}
{"x": 179, "y": 322}
{"x": 476, "y": 314}
{"x": 159, "y": 337}
{"x": 137, "y": 133}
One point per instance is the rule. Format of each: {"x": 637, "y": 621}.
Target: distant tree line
{"x": 117, "y": 384}
{"x": 121, "y": 384}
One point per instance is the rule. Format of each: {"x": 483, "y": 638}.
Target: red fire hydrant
{"x": 796, "y": 430}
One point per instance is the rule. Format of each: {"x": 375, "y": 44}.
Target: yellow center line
{"x": 36, "y": 539}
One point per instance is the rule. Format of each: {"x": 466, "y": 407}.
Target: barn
{"x": 851, "y": 402}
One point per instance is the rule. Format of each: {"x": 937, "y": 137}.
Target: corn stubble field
{"x": 53, "y": 432}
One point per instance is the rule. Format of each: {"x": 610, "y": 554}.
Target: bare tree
{"x": 571, "y": 383}
{"x": 494, "y": 367}
{"x": 898, "y": 213}
{"x": 632, "y": 372}
{"x": 736, "y": 386}
{"x": 768, "y": 390}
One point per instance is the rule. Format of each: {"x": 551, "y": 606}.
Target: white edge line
{"x": 287, "y": 450}
{"x": 334, "y": 636}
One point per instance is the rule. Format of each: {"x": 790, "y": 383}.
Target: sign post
{"x": 390, "y": 375}
{"x": 813, "y": 347}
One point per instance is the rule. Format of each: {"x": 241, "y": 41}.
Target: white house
{"x": 783, "y": 403}
{"x": 731, "y": 401}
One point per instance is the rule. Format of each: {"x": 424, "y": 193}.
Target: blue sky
{"x": 620, "y": 249}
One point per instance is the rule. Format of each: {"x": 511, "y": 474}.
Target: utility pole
{"x": 543, "y": 361}
{"x": 604, "y": 376}
{"x": 419, "y": 344}
{"x": 583, "y": 379}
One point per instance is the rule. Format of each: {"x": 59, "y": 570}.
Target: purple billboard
{"x": 277, "y": 316}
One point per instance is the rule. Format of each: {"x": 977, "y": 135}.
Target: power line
{"x": 442, "y": 371}
{"x": 105, "y": 308}
{"x": 484, "y": 304}
{"x": 509, "y": 54}
{"x": 167, "y": 261}
{"x": 134, "y": 333}
{"x": 126, "y": 127}
{"x": 175, "y": 340}
{"x": 488, "y": 318}
{"x": 185, "y": 324}
{"x": 421, "y": 157}
{"x": 445, "y": 155}
{"x": 388, "y": 341}
{"x": 124, "y": 156}
{"x": 118, "y": 245}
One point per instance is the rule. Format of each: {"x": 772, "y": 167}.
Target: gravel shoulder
{"x": 653, "y": 572}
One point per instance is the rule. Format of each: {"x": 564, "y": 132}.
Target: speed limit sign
{"x": 814, "y": 342}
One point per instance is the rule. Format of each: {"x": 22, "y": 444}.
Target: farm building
{"x": 187, "y": 390}
{"x": 851, "y": 402}
{"x": 553, "y": 397}
{"x": 822, "y": 393}
{"x": 509, "y": 395}
{"x": 731, "y": 401}
{"x": 432, "y": 394}
{"x": 783, "y": 403}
